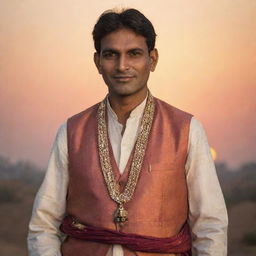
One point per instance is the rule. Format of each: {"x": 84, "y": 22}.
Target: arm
{"x": 44, "y": 237}
{"x": 207, "y": 211}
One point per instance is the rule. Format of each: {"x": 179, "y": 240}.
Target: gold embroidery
{"x": 140, "y": 148}
{"x": 78, "y": 225}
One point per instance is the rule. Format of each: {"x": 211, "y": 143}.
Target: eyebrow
{"x": 136, "y": 49}
{"x": 110, "y": 50}
{"x": 116, "y": 51}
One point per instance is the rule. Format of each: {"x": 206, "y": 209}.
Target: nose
{"x": 123, "y": 64}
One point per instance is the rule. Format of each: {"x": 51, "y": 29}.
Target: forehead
{"x": 123, "y": 39}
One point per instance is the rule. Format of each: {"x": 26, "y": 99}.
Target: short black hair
{"x": 133, "y": 19}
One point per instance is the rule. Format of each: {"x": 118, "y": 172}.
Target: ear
{"x": 153, "y": 59}
{"x": 96, "y": 59}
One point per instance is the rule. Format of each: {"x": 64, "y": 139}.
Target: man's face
{"x": 124, "y": 62}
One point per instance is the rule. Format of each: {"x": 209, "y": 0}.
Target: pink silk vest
{"x": 159, "y": 206}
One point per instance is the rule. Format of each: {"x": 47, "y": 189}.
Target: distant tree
{"x": 22, "y": 170}
{"x": 8, "y": 195}
{"x": 5, "y": 164}
{"x": 238, "y": 185}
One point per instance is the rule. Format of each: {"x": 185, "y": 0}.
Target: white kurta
{"x": 207, "y": 210}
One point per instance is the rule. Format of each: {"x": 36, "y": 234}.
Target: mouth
{"x": 123, "y": 78}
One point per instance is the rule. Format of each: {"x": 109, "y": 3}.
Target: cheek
{"x": 105, "y": 71}
{"x": 145, "y": 69}
{"x": 107, "y": 67}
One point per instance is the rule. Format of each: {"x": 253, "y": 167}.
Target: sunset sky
{"x": 207, "y": 67}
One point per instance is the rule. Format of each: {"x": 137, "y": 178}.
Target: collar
{"x": 136, "y": 112}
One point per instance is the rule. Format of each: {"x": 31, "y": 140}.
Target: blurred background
{"x": 207, "y": 67}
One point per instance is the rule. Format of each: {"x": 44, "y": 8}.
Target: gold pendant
{"x": 121, "y": 215}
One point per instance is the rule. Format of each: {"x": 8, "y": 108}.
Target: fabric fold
{"x": 180, "y": 243}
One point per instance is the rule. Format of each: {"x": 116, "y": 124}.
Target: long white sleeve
{"x": 207, "y": 211}
{"x": 44, "y": 237}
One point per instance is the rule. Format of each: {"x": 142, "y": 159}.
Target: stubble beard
{"x": 125, "y": 92}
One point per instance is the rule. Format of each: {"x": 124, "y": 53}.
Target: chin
{"x": 124, "y": 93}
{"x": 124, "y": 90}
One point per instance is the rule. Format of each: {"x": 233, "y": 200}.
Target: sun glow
{"x": 214, "y": 154}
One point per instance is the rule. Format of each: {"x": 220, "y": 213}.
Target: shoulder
{"x": 62, "y": 132}
{"x": 173, "y": 112}
{"x": 197, "y": 130}
{"x": 86, "y": 119}
{"x": 198, "y": 141}
{"x": 83, "y": 114}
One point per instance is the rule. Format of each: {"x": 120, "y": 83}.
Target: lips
{"x": 123, "y": 78}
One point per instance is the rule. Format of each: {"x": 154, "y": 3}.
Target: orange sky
{"x": 207, "y": 67}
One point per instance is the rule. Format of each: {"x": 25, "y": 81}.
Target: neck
{"x": 123, "y": 105}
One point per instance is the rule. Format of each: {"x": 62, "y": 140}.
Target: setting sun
{"x": 214, "y": 154}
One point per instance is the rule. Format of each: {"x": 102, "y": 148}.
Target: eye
{"x": 135, "y": 53}
{"x": 109, "y": 55}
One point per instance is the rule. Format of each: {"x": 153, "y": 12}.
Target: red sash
{"x": 178, "y": 244}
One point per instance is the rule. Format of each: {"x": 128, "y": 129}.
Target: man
{"x": 131, "y": 175}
